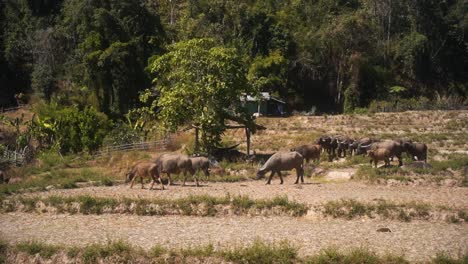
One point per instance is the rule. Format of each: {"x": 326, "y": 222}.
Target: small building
{"x": 265, "y": 104}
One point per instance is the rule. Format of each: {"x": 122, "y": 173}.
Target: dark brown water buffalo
{"x": 360, "y": 146}
{"x": 309, "y": 151}
{"x": 329, "y": 144}
{"x": 144, "y": 170}
{"x": 378, "y": 155}
{"x": 175, "y": 163}
{"x": 281, "y": 161}
{"x": 343, "y": 143}
{"x": 392, "y": 146}
{"x": 326, "y": 143}
{"x": 418, "y": 150}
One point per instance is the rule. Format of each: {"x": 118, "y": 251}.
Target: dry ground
{"x": 415, "y": 240}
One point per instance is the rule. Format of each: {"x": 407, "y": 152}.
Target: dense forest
{"x": 333, "y": 55}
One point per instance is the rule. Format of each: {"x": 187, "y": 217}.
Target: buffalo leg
{"x": 281, "y": 177}
{"x": 141, "y": 181}
{"x": 400, "y": 161}
{"x": 133, "y": 181}
{"x": 298, "y": 175}
{"x": 196, "y": 179}
{"x": 271, "y": 177}
{"x": 169, "y": 181}
{"x": 160, "y": 181}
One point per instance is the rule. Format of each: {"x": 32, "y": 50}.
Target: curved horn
{"x": 365, "y": 146}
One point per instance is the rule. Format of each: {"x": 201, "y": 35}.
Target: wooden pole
{"x": 247, "y": 134}
{"x": 197, "y": 142}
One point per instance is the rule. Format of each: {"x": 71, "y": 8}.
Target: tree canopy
{"x": 199, "y": 82}
{"x": 334, "y": 55}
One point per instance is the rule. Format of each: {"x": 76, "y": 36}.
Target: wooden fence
{"x": 12, "y": 157}
{"x": 154, "y": 145}
{"x": 10, "y": 109}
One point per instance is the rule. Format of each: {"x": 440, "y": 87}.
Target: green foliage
{"x": 268, "y": 74}
{"x": 42, "y": 81}
{"x": 351, "y": 100}
{"x": 69, "y": 129}
{"x": 199, "y": 82}
{"x": 301, "y": 50}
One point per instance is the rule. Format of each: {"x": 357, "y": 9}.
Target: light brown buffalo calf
{"x": 142, "y": 170}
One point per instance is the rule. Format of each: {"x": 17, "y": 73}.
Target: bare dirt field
{"x": 416, "y": 240}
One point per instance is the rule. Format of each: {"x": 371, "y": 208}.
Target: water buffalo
{"x": 309, "y": 151}
{"x": 379, "y": 154}
{"x": 361, "y": 146}
{"x": 404, "y": 143}
{"x": 201, "y": 164}
{"x": 283, "y": 161}
{"x": 329, "y": 144}
{"x": 175, "y": 163}
{"x": 343, "y": 144}
{"x": 418, "y": 150}
{"x": 392, "y": 146}
{"x": 326, "y": 143}
{"x": 144, "y": 170}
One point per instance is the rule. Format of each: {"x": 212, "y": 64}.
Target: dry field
{"x": 344, "y": 204}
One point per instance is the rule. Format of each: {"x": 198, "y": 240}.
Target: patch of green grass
{"x": 349, "y": 162}
{"x": 261, "y": 252}
{"x": 203, "y": 205}
{"x": 91, "y": 253}
{"x": 73, "y": 252}
{"x": 454, "y": 162}
{"x": 3, "y": 251}
{"x": 34, "y": 247}
{"x": 258, "y": 252}
{"x": 443, "y": 258}
{"x": 354, "y": 256}
{"x": 349, "y": 209}
{"x": 370, "y": 174}
{"x": 157, "y": 250}
{"x": 60, "y": 178}
{"x": 197, "y": 251}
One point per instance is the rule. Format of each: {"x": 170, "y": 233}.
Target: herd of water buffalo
{"x": 334, "y": 146}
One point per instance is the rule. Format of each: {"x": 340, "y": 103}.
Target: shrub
{"x": 70, "y": 129}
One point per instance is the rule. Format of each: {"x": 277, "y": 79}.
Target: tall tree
{"x": 201, "y": 83}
